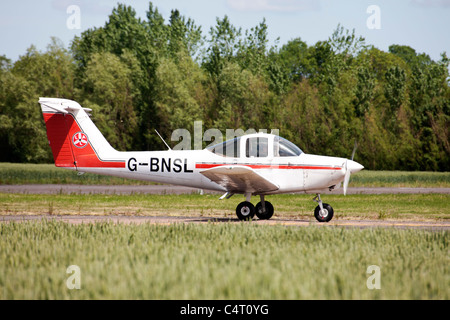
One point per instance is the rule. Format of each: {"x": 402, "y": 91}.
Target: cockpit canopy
{"x": 256, "y": 146}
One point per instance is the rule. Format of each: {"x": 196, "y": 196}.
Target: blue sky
{"x": 421, "y": 24}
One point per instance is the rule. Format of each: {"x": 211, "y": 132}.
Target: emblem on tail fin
{"x": 80, "y": 140}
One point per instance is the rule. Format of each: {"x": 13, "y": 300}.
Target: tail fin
{"x": 75, "y": 140}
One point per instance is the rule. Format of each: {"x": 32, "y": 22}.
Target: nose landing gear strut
{"x": 323, "y": 212}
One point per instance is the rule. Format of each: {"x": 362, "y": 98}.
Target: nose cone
{"x": 354, "y": 166}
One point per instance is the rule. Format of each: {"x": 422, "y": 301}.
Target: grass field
{"x": 27, "y": 173}
{"x": 220, "y": 261}
{"x": 385, "y": 206}
{"x": 226, "y": 260}
{"x": 18, "y": 173}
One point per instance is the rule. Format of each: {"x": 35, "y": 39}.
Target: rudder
{"x": 58, "y": 137}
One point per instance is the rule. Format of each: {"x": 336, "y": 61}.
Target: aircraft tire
{"x": 245, "y": 210}
{"x": 264, "y": 215}
{"x": 324, "y": 218}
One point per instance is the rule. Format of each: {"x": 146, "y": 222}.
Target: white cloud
{"x": 273, "y": 5}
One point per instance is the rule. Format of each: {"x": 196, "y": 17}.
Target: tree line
{"x": 138, "y": 75}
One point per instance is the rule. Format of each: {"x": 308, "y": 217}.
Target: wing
{"x": 239, "y": 179}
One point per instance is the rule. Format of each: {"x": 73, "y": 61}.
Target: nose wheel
{"x": 323, "y": 212}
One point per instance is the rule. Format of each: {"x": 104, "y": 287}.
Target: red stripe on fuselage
{"x": 265, "y": 166}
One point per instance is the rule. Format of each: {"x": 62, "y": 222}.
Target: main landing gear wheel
{"x": 245, "y": 210}
{"x": 264, "y": 214}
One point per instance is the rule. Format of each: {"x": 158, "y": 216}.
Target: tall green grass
{"x": 220, "y": 261}
{"x": 19, "y": 173}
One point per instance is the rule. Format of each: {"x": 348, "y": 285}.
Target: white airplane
{"x": 255, "y": 164}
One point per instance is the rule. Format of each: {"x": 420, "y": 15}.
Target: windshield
{"x": 285, "y": 148}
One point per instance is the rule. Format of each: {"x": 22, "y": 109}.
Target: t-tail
{"x": 74, "y": 139}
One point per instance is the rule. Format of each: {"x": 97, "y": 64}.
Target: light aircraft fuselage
{"x": 254, "y": 164}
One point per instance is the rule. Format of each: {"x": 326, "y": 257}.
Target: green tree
{"x": 34, "y": 75}
{"x": 395, "y": 91}
{"x": 50, "y": 73}
{"x": 179, "y": 93}
{"x": 294, "y": 58}
{"x": 139, "y": 75}
{"x": 184, "y": 35}
{"x": 364, "y": 90}
{"x": 429, "y": 100}
{"x": 409, "y": 55}
{"x": 223, "y": 46}
{"x": 241, "y": 99}
{"x": 303, "y": 120}
{"x": 252, "y": 52}
{"x": 109, "y": 84}
{"x": 124, "y": 32}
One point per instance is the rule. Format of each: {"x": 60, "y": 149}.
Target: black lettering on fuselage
{"x": 177, "y": 165}
{"x": 185, "y": 166}
{"x": 154, "y": 164}
{"x": 165, "y": 165}
{"x": 132, "y": 164}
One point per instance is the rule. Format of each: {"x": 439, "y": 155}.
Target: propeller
{"x": 346, "y": 177}
{"x": 351, "y": 167}
{"x": 354, "y": 150}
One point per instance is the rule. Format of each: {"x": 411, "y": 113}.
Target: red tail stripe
{"x": 60, "y": 130}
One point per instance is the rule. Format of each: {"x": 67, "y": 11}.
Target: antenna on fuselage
{"x": 163, "y": 140}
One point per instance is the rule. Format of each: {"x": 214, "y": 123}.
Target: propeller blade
{"x": 348, "y": 170}
{"x": 346, "y": 177}
{"x": 354, "y": 150}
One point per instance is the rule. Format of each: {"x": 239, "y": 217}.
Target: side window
{"x": 257, "y": 147}
{"x": 229, "y": 148}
